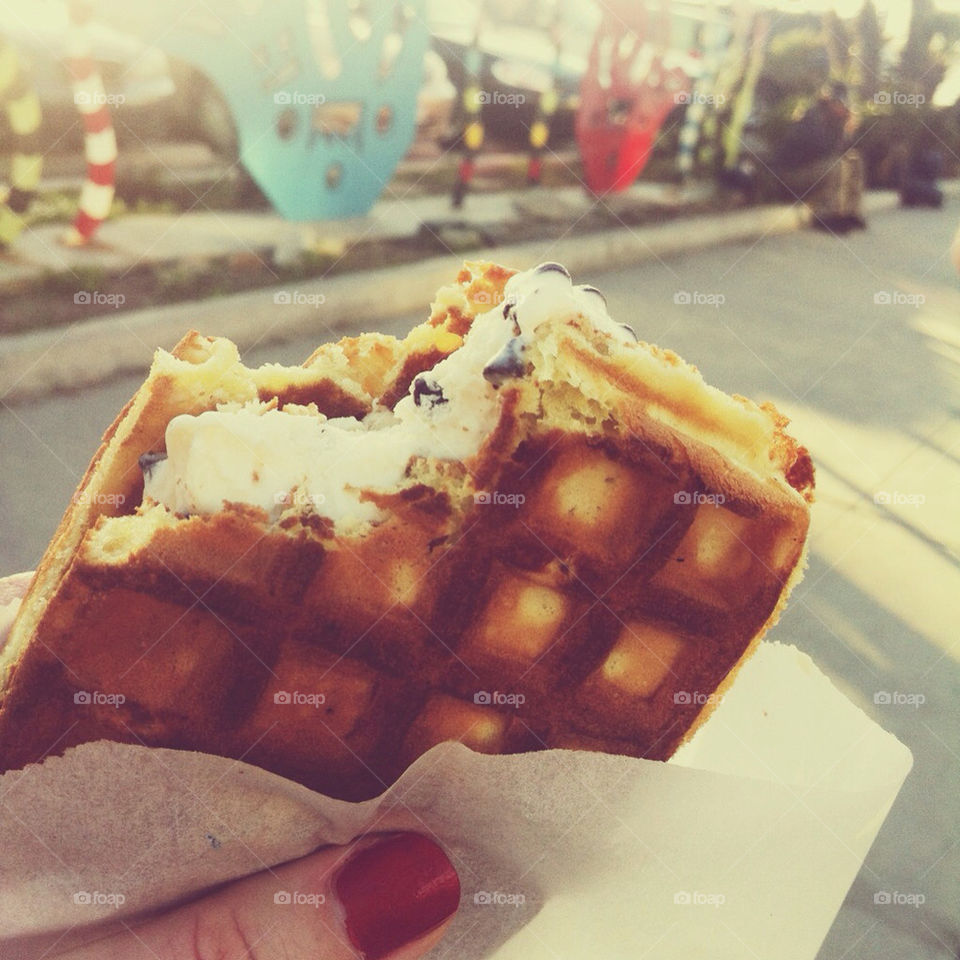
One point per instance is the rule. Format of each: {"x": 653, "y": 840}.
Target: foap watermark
{"x": 707, "y": 99}
{"x": 697, "y": 298}
{"x": 498, "y": 499}
{"x": 898, "y": 98}
{"x": 97, "y": 698}
{"x": 98, "y": 98}
{"x": 698, "y": 498}
{"x": 685, "y": 697}
{"x": 98, "y": 298}
{"x": 897, "y": 298}
{"x": 497, "y": 898}
{"x": 298, "y": 498}
{"x": 101, "y": 499}
{"x": 697, "y": 898}
{"x": 897, "y": 498}
{"x": 896, "y": 898}
{"x": 897, "y": 698}
{"x": 498, "y": 699}
{"x": 298, "y": 98}
{"x": 490, "y": 298}
{"x": 297, "y": 898}
{"x": 297, "y": 698}
{"x": 500, "y": 99}
{"x": 98, "y": 898}
{"x": 299, "y": 298}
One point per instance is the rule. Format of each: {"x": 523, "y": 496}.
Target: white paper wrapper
{"x": 743, "y": 845}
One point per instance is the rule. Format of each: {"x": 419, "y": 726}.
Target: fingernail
{"x": 396, "y": 891}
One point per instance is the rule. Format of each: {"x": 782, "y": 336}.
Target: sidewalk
{"x": 158, "y": 238}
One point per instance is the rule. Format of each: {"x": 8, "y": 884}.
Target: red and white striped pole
{"x": 99, "y": 139}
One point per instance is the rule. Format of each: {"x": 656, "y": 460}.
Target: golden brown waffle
{"x": 590, "y": 579}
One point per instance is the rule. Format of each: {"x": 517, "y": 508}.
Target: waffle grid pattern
{"x": 595, "y": 599}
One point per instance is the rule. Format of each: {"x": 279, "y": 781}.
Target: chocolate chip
{"x": 507, "y": 364}
{"x": 588, "y": 289}
{"x": 510, "y": 313}
{"x": 147, "y": 461}
{"x": 631, "y": 331}
{"x": 551, "y": 267}
{"x": 430, "y": 390}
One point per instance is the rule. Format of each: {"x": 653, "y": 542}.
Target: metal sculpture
{"x": 731, "y": 69}
{"x": 626, "y": 93}
{"x": 323, "y": 94}
{"x": 743, "y": 104}
{"x": 703, "y": 94}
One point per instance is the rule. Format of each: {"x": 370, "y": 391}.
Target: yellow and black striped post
{"x": 473, "y": 100}
{"x": 732, "y": 137}
{"x": 22, "y": 107}
{"x": 546, "y": 108}
{"x": 732, "y": 68}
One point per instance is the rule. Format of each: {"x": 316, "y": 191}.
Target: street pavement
{"x": 857, "y": 339}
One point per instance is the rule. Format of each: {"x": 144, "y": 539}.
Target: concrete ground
{"x": 858, "y": 341}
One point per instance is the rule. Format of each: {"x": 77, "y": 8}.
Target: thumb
{"x": 390, "y": 895}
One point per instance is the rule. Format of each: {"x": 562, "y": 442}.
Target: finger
{"x": 12, "y": 590}
{"x": 15, "y": 586}
{"x": 385, "y": 896}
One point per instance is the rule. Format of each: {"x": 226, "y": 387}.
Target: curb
{"x": 92, "y": 351}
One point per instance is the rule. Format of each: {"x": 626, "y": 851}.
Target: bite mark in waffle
{"x": 590, "y": 578}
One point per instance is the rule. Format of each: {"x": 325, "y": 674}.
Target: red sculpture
{"x": 625, "y": 95}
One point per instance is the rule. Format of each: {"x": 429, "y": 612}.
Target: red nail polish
{"x": 396, "y": 891}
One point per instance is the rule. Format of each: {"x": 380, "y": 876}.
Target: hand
{"x": 390, "y": 895}
{"x": 382, "y": 895}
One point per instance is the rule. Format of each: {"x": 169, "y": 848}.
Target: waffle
{"x": 590, "y": 577}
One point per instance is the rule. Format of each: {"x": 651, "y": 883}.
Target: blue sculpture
{"x": 323, "y": 93}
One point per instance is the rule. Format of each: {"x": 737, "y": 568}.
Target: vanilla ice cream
{"x": 270, "y": 458}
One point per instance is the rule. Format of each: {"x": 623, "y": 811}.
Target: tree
{"x": 867, "y": 49}
{"x": 838, "y": 43}
{"x": 797, "y": 63}
{"x": 929, "y": 49}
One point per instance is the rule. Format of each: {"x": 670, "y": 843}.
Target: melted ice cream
{"x": 271, "y": 459}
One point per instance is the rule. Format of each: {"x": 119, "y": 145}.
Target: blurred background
{"x": 768, "y": 188}
{"x": 232, "y": 148}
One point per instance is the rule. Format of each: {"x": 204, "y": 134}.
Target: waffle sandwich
{"x": 519, "y": 527}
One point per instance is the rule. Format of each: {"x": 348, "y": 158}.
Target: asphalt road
{"x": 857, "y": 339}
